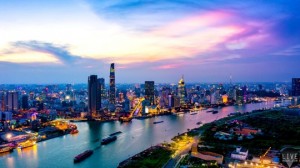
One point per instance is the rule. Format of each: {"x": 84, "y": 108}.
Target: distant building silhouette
{"x": 102, "y": 85}
{"x": 149, "y": 91}
{"x": 25, "y": 104}
{"x": 94, "y": 95}
{"x": 12, "y": 101}
{"x": 295, "y": 86}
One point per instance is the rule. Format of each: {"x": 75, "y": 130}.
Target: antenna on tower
{"x": 230, "y": 78}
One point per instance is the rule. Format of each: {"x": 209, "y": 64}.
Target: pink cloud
{"x": 168, "y": 66}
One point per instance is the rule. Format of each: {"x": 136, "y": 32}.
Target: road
{"x": 173, "y": 161}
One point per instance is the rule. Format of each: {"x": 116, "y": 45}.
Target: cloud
{"x": 236, "y": 45}
{"x": 58, "y": 51}
{"x": 290, "y": 51}
{"x": 149, "y": 35}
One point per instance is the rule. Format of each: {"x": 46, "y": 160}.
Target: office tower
{"x": 260, "y": 87}
{"x": 3, "y": 103}
{"x": 296, "y": 87}
{"x": 94, "y": 96}
{"x": 112, "y": 85}
{"x": 69, "y": 87}
{"x": 239, "y": 95}
{"x": 245, "y": 98}
{"x": 149, "y": 91}
{"x": 174, "y": 101}
{"x": 25, "y": 105}
{"x": 181, "y": 91}
{"x": 102, "y": 87}
{"x": 137, "y": 90}
{"x": 12, "y": 103}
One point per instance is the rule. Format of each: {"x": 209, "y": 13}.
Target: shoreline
{"x": 194, "y": 133}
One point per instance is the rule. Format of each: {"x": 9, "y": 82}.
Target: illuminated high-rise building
{"x": 25, "y": 104}
{"x": 149, "y": 91}
{"x": 94, "y": 96}
{"x": 2, "y": 99}
{"x": 181, "y": 91}
{"x": 112, "y": 85}
{"x": 102, "y": 85}
{"x": 296, "y": 87}
{"x": 12, "y": 101}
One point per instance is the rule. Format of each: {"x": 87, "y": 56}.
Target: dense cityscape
{"x": 34, "y": 113}
{"x": 149, "y": 84}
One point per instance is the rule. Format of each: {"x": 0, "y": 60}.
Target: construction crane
{"x": 264, "y": 155}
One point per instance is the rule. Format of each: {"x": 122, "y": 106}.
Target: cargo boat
{"x": 108, "y": 140}
{"x": 198, "y": 123}
{"x": 116, "y": 133}
{"x": 157, "y": 122}
{"x": 6, "y": 149}
{"x": 83, "y": 156}
{"x": 215, "y": 112}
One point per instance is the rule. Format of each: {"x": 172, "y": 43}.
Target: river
{"x": 137, "y": 136}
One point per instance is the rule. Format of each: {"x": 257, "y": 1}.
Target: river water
{"x": 137, "y": 136}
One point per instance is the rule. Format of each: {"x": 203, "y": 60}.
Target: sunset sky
{"x": 64, "y": 41}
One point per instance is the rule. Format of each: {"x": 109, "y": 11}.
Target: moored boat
{"x": 26, "y": 144}
{"x": 6, "y": 149}
{"x": 75, "y": 131}
{"x": 125, "y": 119}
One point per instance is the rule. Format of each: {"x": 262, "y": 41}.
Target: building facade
{"x": 112, "y": 85}
{"x": 149, "y": 91}
{"x": 296, "y": 87}
{"x": 12, "y": 101}
{"x": 181, "y": 91}
{"x": 94, "y": 96}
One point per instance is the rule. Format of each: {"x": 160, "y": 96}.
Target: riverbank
{"x": 179, "y": 143}
{"x": 155, "y": 156}
{"x": 267, "y": 139}
{"x": 195, "y": 133}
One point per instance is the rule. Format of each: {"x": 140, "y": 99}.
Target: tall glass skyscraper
{"x": 112, "y": 85}
{"x": 181, "y": 91}
{"x": 149, "y": 91}
{"x": 94, "y": 96}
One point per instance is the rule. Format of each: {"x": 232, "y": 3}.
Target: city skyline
{"x": 50, "y": 42}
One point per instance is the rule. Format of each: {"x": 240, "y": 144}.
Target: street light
{"x": 8, "y": 136}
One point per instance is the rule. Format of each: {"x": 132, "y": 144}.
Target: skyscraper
{"x": 25, "y": 105}
{"x": 181, "y": 91}
{"x": 3, "y": 103}
{"x": 149, "y": 91}
{"x": 112, "y": 85}
{"x": 102, "y": 85}
{"x": 12, "y": 101}
{"x": 296, "y": 87}
{"x": 94, "y": 95}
